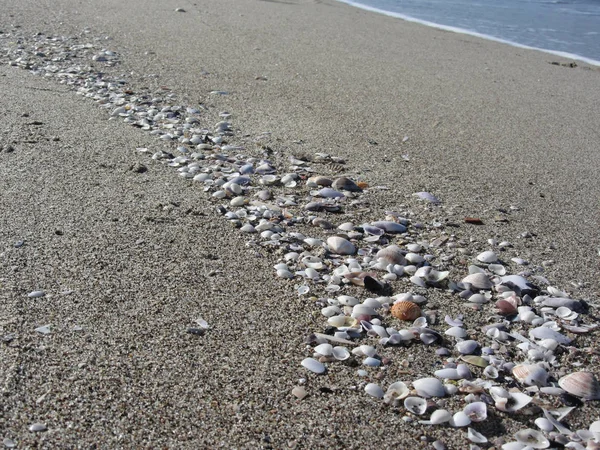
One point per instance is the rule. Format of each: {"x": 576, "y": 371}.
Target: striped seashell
{"x": 530, "y": 374}
{"x": 405, "y": 310}
{"x": 582, "y": 384}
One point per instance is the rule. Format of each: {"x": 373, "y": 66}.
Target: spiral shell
{"x": 405, "y": 310}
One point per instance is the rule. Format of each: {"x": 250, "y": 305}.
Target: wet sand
{"x": 144, "y": 254}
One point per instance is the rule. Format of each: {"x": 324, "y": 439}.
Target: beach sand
{"x": 489, "y": 127}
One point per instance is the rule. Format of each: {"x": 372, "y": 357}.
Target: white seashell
{"x": 389, "y": 226}
{"x": 331, "y": 311}
{"x": 530, "y": 374}
{"x": 45, "y": 329}
{"x": 392, "y": 254}
{"x": 348, "y": 300}
{"x": 324, "y": 349}
{"x": 429, "y": 387}
{"x": 497, "y": 269}
{"x": 363, "y": 310}
{"x": 544, "y": 424}
{"x": 491, "y": 372}
{"x": 341, "y": 321}
{"x": 448, "y": 374}
{"x": 440, "y": 416}
{"x": 346, "y": 226}
{"x": 414, "y": 258}
{"x": 284, "y": 273}
{"x": 374, "y": 390}
{"x": 36, "y": 294}
{"x": 371, "y": 362}
{"x": 299, "y": 392}
{"x": 467, "y": 347}
{"x": 415, "y": 405}
{"x": 367, "y": 350}
{"x": 532, "y": 438}
{"x": 457, "y": 332}
{"x": 476, "y": 411}
{"x": 428, "y": 197}
{"x": 460, "y": 419}
{"x": 340, "y": 353}
{"x": 248, "y": 229}
{"x": 487, "y": 257}
{"x": 313, "y": 365}
{"x": 565, "y": 313}
{"x": 475, "y": 436}
{"x": 396, "y": 392}
{"x": 340, "y": 246}
{"x": 478, "y": 281}
{"x": 547, "y": 333}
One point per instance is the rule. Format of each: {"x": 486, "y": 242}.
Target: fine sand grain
{"x": 134, "y": 258}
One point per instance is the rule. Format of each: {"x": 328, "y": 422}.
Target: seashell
{"x": 460, "y": 419}
{"x": 427, "y": 197}
{"x": 396, "y": 392}
{"x": 37, "y": 427}
{"x": 36, "y": 294}
{"x": 532, "y": 438}
{"x": 284, "y": 273}
{"x": 519, "y": 282}
{"x": 440, "y": 416}
{"x": 340, "y": 353}
{"x": 374, "y": 390}
{"x": 313, "y": 365}
{"x": 429, "y": 387}
{"x": 405, "y": 310}
{"x": 416, "y": 259}
{"x": 467, "y": 347}
{"x": 476, "y": 411}
{"x": 389, "y": 226}
{"x": 329, "y": 193}
{"x": 341, "y": 321}
{"x": 371, "y": 362}
{"x": 547, "y": 333}
{"x": 346, "y": 226}
{"x": 447, "y": 374}
{"x": 544, "y": 424}
{"x": 464, "y": 371}
{"x": 324, "y": 349}
{"x": 514, "y": 401}
{"x": 497, "y": 269}
{"x": 478, "y": 281}
{"x": 318, "y": 181}
{"x": 565, "y": 313}
{"x": 530, "y": 374}
{"x": 392, "y": 254}
{"x": 345, "y": 184}
{"x": 506, "y": 307}
{"x": 340, "y": 246}
{"x": 475, "y": 436}
{"x": 487, "y": 257}
{"x": 416, "y": 405}
{"x": 581, "y": 384}
{"x": 457, "y": 332}
{"x": 299, "y": 392}
{"x": 369, "y": 229}
{"x": 557, "y": 302}
{"x": 475, "y": 360}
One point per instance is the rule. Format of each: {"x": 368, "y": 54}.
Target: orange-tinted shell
{"x": 362, "y": 184}
{"x": 405, "y": 310}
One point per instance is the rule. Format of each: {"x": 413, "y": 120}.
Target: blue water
{"x": 569, "y": 28}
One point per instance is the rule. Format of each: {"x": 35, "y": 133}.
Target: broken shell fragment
{"x": 531, "y": 374}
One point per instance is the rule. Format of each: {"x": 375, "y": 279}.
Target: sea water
{"x": 569, "y": 28}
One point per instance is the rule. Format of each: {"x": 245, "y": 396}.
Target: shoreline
{"x": 134, "y": 254}
{"x": 468, "y": 32}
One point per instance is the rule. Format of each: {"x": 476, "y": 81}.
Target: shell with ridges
{"x": 581, "y": 384}
{"x": 405, "y": 310}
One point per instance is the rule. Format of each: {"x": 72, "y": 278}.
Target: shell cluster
{"x": 298, "y": 209}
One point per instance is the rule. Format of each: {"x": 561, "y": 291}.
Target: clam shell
{"x": 457, "y": 332}
{"x": 581, "y": 384}
{"x": 313, "y": 365}
{"x": 478, "y": 281}
{"x": 440, "y": 416}
{"x": 396, "y": 392}
{"x": 416, "y": 405}
{"x": 448, "y": 374}
{"x": 374, "y": 390}
{"x": 429, "y": 387}
{"x": 340, "y": 246}
{"x": 329, "y": 193}
{"x": 547, "y": 333}
{"x": 460, "y": 419}
{"x": 392, "y": 254}
{"x": 318, "y": 181}
{"x": 405, "y": 310}
{"x": 389, "y": 226}
{"x": 476, "y": 411}
{"x": 340, "y": 353}
{"x": 531, "y": 374}
{"x": 487, "y": 257}
{"x": 532, "y": 438}
{"x": 475, "y": 436}
{"x": 467, "y": 347}
{"x": 324, "y": 349}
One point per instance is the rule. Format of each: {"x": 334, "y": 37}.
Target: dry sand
{"x": 489, "y": 126}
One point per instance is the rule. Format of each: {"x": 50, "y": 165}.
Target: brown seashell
{"x": 405, "y": 310}
{"x": 506, "y": 307}
{"x": 392, "y": 254}
{"x": 362, "y": 184}
{"x": 581, "y": 384}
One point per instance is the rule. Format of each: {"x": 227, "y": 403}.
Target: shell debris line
{"x": 299, "y": 208}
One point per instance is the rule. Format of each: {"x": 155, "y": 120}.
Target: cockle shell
{"x": 531, "y": 374}
{"x": 581, "y": 384}
{"x": 340, "y": 246}
{"x": 405, "y": 310}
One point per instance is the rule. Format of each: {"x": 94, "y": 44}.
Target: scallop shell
{"x": 478, "y": 281}
{"x": 340, "y": 246}
{"x": 581, "y": 384}
{"x": 405, "y": 310}
{"x": 531, "y": 374}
